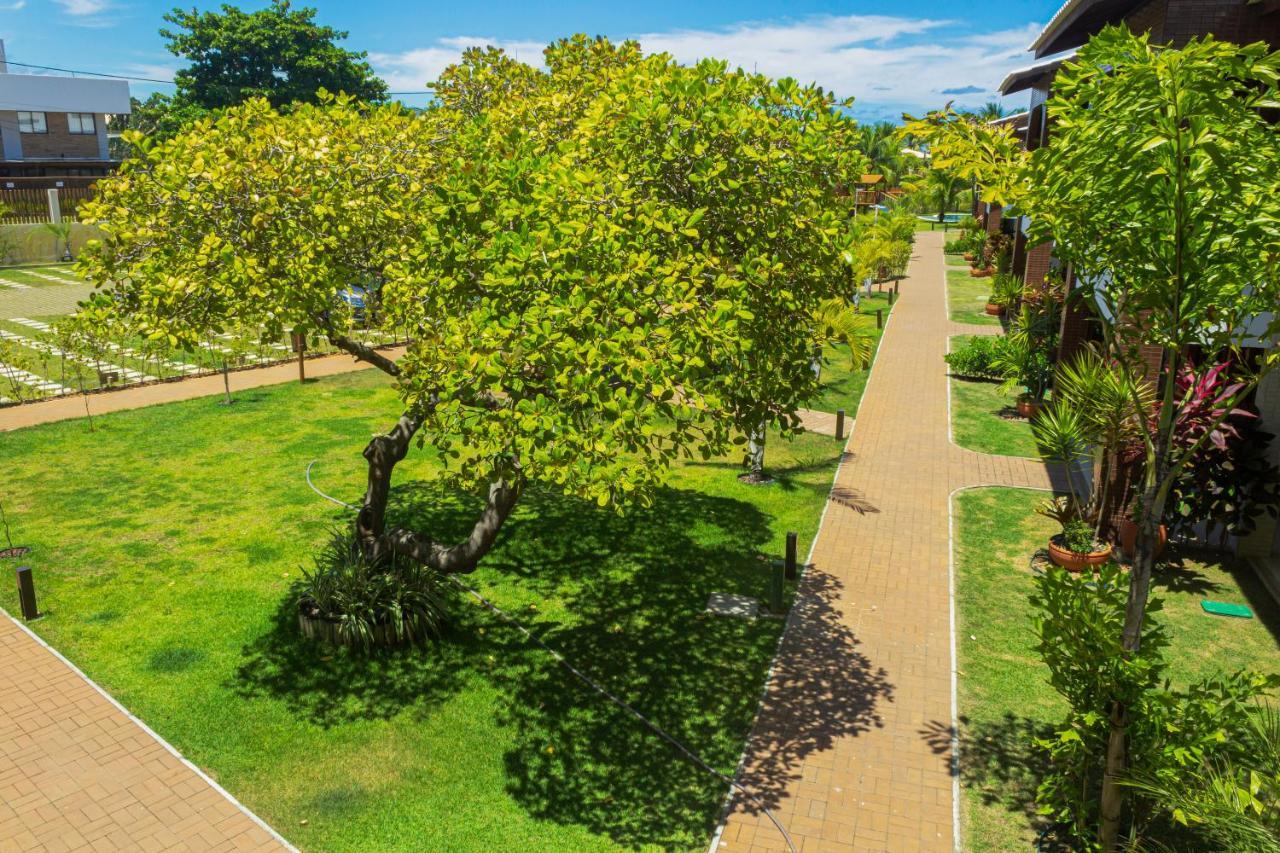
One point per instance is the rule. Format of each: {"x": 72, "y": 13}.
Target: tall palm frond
{"x": 837, "y": 320}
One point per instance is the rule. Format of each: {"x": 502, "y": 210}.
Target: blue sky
{"x": 888, "y": 56}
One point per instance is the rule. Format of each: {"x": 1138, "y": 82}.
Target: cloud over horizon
{"x": 888, "y": 64}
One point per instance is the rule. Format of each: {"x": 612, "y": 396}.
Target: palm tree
{"x": 990, "y": 111}
{"x": 880, "y": 143}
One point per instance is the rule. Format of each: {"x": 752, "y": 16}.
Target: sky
{"x": 888, "y": 56}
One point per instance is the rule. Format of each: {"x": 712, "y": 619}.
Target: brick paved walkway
{"x": 78, "y": 773}
{"x": 852, "y": 749}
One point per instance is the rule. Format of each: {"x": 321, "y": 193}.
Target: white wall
{"x": 45, "y": 93}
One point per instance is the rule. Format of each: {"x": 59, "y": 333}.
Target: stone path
{"x": 77, "y": 772}
{"x": 853, "y": 745}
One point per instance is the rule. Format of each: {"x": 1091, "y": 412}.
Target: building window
{"x": 81, "y": 123}
{"x": 32, "y": 123}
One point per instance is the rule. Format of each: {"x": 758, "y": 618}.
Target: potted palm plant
{"x": 1006, "y": 293}
{"x": 1063, "y": 438}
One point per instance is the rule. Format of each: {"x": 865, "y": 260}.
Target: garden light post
{"x": 839, "y": 424}
{"x": 27, "y": 593}
{"x": 879, "y": 318}
{"x": 791, "y": 571}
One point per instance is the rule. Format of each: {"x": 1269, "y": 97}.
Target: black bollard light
{"x": 27, "y": 593}
{"x": 879, "y": 318}
{"x": 839, "y": 424}
{"x": 775, "y": 586}
{"x": 791, "y": 556}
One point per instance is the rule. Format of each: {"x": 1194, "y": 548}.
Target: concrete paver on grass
{"x": 853, "y": 745}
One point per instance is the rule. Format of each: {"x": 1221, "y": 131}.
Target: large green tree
{"x": 278, "y": 53}
{"x": 603, "y": 267}
{"x": 1161, "y": 188}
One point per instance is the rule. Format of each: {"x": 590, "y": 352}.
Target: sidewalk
{"x": 78, "y": 772}
{"x": 852, "y": 749}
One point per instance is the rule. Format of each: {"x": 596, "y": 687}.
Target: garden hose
{"x": 592, "y": 683}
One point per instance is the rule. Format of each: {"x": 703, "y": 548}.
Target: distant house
{"x": 868, "y": 190}
{"x": 53, "y": 130}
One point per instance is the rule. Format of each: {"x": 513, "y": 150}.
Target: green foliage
{"x": 1078, "y": 626}
{"x": 1006, "y": 291}
{"x": 159, "y": 117}
{"x": 1077, "y": 536}
{"x": 967, "y": 150}
{"x": 978, "y": 357}
{"x": 61, "y": 232}
{"x": 1024, "y": 360}
{"x": 278, "y": 53}
{"x": 840, "y": 322}
{"x": 1172, "y": 733}
{"x": 1231, "y": 803}
{"x": 603, "y": 267}
{"x": 392, "y": 596}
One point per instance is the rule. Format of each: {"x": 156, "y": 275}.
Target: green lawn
{"x": 983, "y": 417}
{"x": 842, "y": 386}
{"x": 1003, "y": 696}
{"x": 165, "y": 545}
{"x": 967, "y": 298}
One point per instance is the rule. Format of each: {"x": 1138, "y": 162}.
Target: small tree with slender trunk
{"x": 1161, "y": 189}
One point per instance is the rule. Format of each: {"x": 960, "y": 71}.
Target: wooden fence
{"x": 30, "y": 206}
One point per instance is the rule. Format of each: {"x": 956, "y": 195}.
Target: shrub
{"x": 368, "y": 597}
{"x": 957, "y": 246}
{"x": 1077, "y": 536}
{"x": 1175, "y": 735}
{"x": 977, "y": 358}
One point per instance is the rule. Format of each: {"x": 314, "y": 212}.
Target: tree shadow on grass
{"x": 998, "y": 759}
{"x": 623, "y": 598}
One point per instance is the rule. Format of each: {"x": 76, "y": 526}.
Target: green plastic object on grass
{"x": 1222, "y": 608}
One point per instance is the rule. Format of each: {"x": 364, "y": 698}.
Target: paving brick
{"x": 858, "y": 709}
{"x": 70, "y": 785}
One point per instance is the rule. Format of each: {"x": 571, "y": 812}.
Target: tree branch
{"x": 463, "y": 557}
{"x": 363, "y": 352}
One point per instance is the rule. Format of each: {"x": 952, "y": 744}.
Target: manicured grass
{"x": 1004, "y": 698}
{"x": 967, "y": 298}
{"x": 842, "y": 386}
{"x": 983, "y": 417}
{"x": 165, "y": 544}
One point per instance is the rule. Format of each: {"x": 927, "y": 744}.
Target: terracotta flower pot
{"x": 968, "y": 256}
{"x": 994, "y": 310}
{"x": 985, "y": 272}
{"x": 1073, "y": 562}
{"x": 1127, "y": 535}
{"x": 1028, "y": 407}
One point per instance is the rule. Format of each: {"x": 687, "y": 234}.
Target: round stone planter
{"x": 1073, "y": 562}
{"x": 325, "y": 630}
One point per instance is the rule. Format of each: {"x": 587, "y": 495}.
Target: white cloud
{"x": 889, "y": 64}
{"x": 15, "y": 6}
{"x": 412, "y": 70}
{"x": 83, "y": 8}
